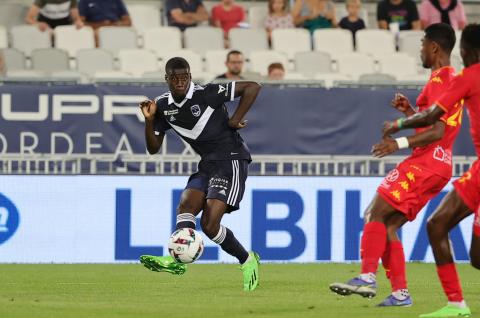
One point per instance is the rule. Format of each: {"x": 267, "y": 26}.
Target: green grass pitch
{"x": 208, "y": 291}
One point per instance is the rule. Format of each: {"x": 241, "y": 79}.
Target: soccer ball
{"x": 185, "y": 245}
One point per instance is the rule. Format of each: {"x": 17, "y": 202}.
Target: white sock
{"x": 459, "y": 304}
{"x": 368, "y": 277}
{"x": 401, "y": 294}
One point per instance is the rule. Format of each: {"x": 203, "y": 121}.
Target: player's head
{"x": 234, "y": 62}
{"x": 470, "y": 45}
{"x": 177, "y": 75}
{"x": 438, "y": 42}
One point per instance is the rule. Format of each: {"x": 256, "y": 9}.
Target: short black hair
{"x": 442, "y": 34}
{"x": 176, "y": 63}
{"x": 233, "y": 52}
{"x": 471, "y": 36}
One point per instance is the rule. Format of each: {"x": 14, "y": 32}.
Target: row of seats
{"x": 137, "y": 62}
{"x": 163, "y": 39}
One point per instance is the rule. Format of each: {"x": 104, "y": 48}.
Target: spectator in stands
{"x": 98, "y": 13}
{"x": 227, "y": 15}
{"x": 48, "y": 14}
{"x": 314, "y": 14}
{"x": 398, "y": 14}
{"x": 276, "y": 72}
{"x": 185, "y": 13}
{"x": 234, "y": 65}
{"x": 450, "y": 12}
{"x": 352, "y": 21}
{"x": 278, "y": 17}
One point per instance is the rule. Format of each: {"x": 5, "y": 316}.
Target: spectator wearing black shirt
{"x": 402, "y": 12}
{"x": 352, "y": 21}
{"x": 185, "y": 13}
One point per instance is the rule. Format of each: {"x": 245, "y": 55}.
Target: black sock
{"x": 229, "y": 244}
{"x": 186, "y": 220}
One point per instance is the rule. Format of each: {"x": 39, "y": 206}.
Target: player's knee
{"x": 434, "y": 227}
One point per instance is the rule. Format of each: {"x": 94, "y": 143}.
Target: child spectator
{"x": 278, "y": 17}
{"x": 276, "y": 72}
{"x": 352, "y": 21}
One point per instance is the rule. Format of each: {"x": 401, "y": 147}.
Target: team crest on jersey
{"x": 196, "y": 111}
{"x": 392, "y": 176}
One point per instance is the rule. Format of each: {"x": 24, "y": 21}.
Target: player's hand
{"x": 401, "y": 103}
{"x": 387, "y": 146}
{"x": 148, "y": 107}
{"x": 389, "y": 128}
{"x": 237, "y": 124}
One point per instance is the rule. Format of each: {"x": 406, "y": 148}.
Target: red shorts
{"x": 468, "y": 188}
{"x": 408, "y": 188}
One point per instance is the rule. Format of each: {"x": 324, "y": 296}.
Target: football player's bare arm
{"x": 247, "y": 91}
{"x": 153, "y": 142}
{"x": 421, "y": 119}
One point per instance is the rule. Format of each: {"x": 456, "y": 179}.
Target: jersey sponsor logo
{"x": 196, "y": 111}
{"x": 442, "y": 155}
{"x": 220, "y": 89}
{"x": 392, "y": 176}
{"x": 170, "y": 112}
{"x": 219, "y": 183}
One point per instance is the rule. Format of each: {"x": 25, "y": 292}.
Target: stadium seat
{"x": 410, "y": 42}
{"x": 196, "y": 39}
{"x": 3, "y": 37}
{"x": 420, "y": 79}
{"x": 156, "y": 75}
{"x": 70, "y": 75}
{"x": 194, "y": 59}
{"x": 457, "y": 62}
{"x": 375, "y": 42}
{"x": 12, "y": 14}
{"x": 456, "y": 48}
{"x": 257, "y": 16}
{"x": 50, "y": 60}
{"x": 14, "y": 59}
{"x": 111, "y": 75}
{"x": 248, "y": 40}
{"x": 311, "y": 63}
{"x": 260, "y": 60}
{"x": 117, "y": 38}
{"x": 28, "y": 37}
{"x": 144, "y": 17}
{"x": 162, "y": 39}
{"x": 332, "y": 78}
{"x": 291, "y": 41}
{"x": 294, "y": 76}
{"x": 137, "y": 61}
{"x": 71, "y": 39}
{"x": 26, "y": 74}
{"x": 333, "y": 41}
{"x": 90, "y": 61}
{"x": 215, "y": 61}
{"x": 355, "y": 64}
{"x": 377, "y": 78}
{"x": 397, "y": 64}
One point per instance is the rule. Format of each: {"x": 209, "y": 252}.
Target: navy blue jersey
{"x": 201, "y": 119}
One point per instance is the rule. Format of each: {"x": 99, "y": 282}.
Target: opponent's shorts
{"x": 221, "y": 179}
{"x": 408, "y": 188}
{"x": 468, "y": 188}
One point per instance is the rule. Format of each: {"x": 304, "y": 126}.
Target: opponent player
{"x": 464, "y": 199}
{"x": 199, "y": 116}
{"x": 407, "y": 188}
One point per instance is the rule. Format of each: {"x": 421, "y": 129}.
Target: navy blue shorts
{"x": 221, "y": 179}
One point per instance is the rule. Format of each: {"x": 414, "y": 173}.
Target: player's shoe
{"x": 355, "y": 286}
{"x": 163, "y": 264}
{"x": 392, "y": 301}
{"x": 250, "y": 272}
{"x": 449, "y": 311}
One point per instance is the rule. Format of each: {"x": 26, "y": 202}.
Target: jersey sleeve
{"x": 456, "y": 91}
{"x": 217, "y": 94}
{"x": 160, "y": 125}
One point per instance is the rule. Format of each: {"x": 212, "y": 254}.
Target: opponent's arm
{"x": 248, "y": 92}
{"x": 421, "y": 119}
{"x": 401, "y": 103}
{"x": 388, "y": 145}
{"x": 153, "y": 142}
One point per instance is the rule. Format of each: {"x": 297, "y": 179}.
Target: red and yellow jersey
{"x": 465, "y": 86}
{"x": 437, "y": 157}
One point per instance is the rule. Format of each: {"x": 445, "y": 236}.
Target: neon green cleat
{"x": 449, "y": 311}
{"x": 163, "y": 264}
{"x": 250, "y": 272}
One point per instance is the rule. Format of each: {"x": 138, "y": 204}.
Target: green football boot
{"x": 250, "y": 272}
{"x": 163, "y": 264}
{"x": 449, "y": 311}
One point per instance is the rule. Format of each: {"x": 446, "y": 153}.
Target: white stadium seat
{"x": 50, "y": 60}
{"x": 117, "y": 38}
{"x": 71, "y": 39}
{"x": 215, "y": 61}
{"x": 3, "y": 37}
{"x": 291, "y": 41}
{"x": 144, "y": 17}
{"x": 355, "y": 64}
{"x": 410, "y": 42}
{"x": 194, "y": 59}
{"x": 333, "y": 41}
{"x": 137, "y": 61}
{"x": 311, "y": 63}
{"x": 14, "y": 59}
{"x": 397, "y": 64}
{"x": 162, "y": 39}
{"x": 248, "y": 40}
{"x": 375, "y": 42}
{"x": 90, "y": 61}
{"x": 27, "y": 38}
{"x": 260, "y": 60}
{"x": 201, "y": 39}
{"x": 257, "y": 16}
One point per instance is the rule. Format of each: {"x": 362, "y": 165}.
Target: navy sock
{"x": 229, "y": 244}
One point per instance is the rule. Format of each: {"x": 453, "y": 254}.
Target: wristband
{"x": 400, "y": 123}
{"x": 402, "y": 142}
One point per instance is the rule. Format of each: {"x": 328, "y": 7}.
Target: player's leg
{"x": 475, "y": 247}
{"x": 191, "y": 204}
{"x": 450, "y": 212}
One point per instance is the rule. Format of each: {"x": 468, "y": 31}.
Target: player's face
{"x": 178, "y": 81}
{"x": 426, "y": 53}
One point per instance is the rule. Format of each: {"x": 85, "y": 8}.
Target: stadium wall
{"x": 106, "y": 219}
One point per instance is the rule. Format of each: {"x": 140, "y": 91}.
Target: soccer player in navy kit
{"x": 199, "y": 116}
